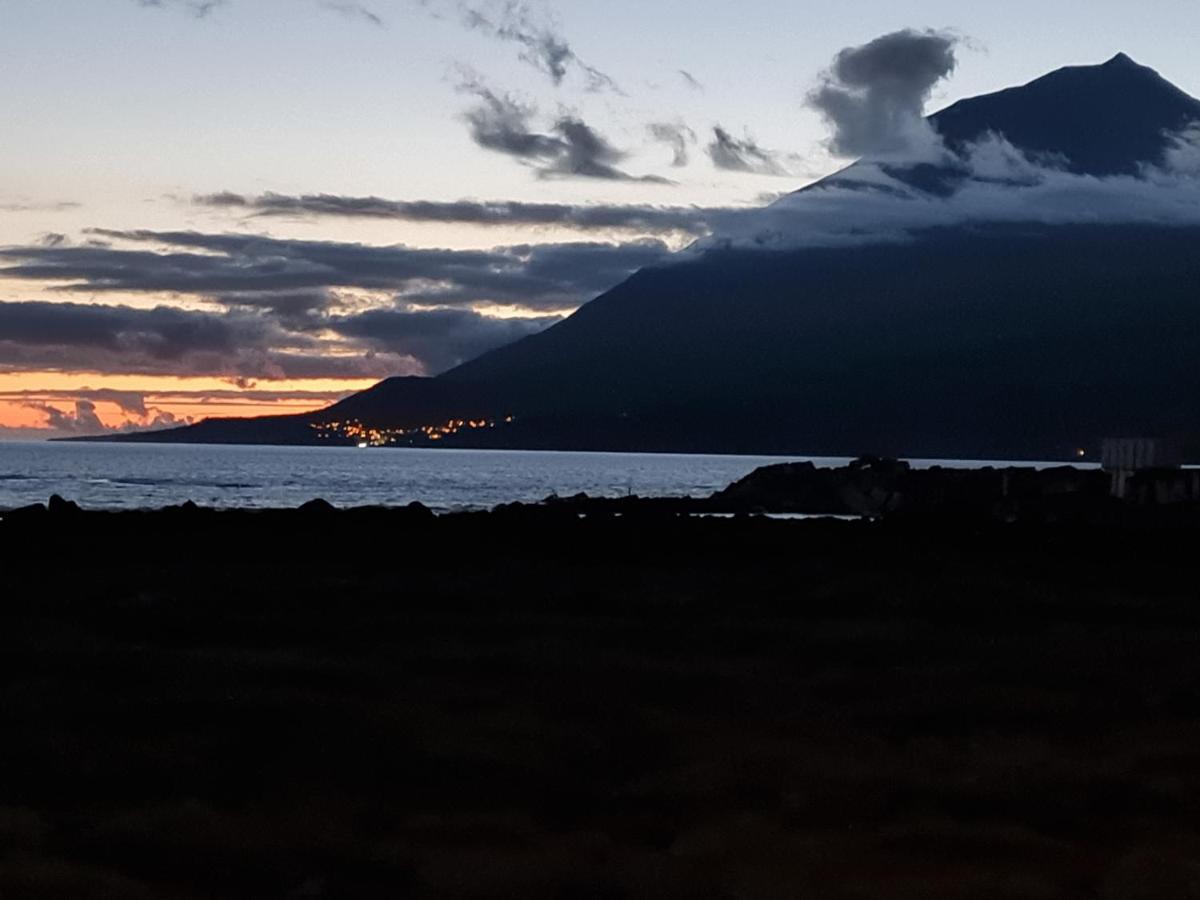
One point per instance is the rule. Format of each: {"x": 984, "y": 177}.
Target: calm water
{"x": 124, "y": 476}
{"x": 108, "y": 476}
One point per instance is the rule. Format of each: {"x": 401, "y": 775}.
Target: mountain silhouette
{"x": 1014, "y": 339}
{"x": 1102, "y": 120}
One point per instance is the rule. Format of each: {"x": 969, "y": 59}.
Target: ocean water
{"x": 137, "y": 476}
{"x": 133, "y": 476}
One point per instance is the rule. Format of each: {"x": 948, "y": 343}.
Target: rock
{"x": 25, "y": 514}
{"x": 60, "y": 507}
{"x": 419, "y": 511}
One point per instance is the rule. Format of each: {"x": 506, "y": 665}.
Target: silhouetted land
{"x": 1019, "y": 341}
{"x": 535, "y": 704}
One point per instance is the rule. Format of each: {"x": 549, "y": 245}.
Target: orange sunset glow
{"x": 33, "y": 401}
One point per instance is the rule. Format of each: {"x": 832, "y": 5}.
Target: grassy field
{"x": 537, "y": 705}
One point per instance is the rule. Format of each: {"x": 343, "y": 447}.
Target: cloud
{"x": 83, "y": 421}
{"x": 404, "y": 339}
{"x": 131, "y": 402}
{"x": 73, "y": 413}
{"x": 587, "y": 154}
{"x": 503, "y": 124}
{"x": 298, "y": 310}
{"x": 990, "y": 183}
{"x": 571, "y": 149}
{"x": 161, "y": 419}
{"x": 141, "y": 404}
{"x": 641, "y": 219}
{"x": 442, "y": 338}
{"x": 551, "y": 276}
{"x": 163, "y": 332}
{"x": 536, "y": 276}
{"x": 542, "y": 45}
{"x": 675, "y": 135}
{"x": 112, "y": 339}
{"x": 1182, "y": 156}
{"x": 690, "y": 80}
{"x": 61, "y": 206}
{"x": 287, "y": 309}
{"x": 355, "y": 11}
{"x": 730, "y": 154}
{"x": 203, "y": 8}
{"x": 874, "y": 96}
{"x": 198, "y": 8}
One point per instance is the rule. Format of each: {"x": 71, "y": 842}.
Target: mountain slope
{"x": 1015, "y": 340}
{"x": 1102, "y": 120}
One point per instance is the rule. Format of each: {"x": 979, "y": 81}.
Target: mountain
{"x": 1104, "y": 120}
{"x": 1111, "y": 119}
{"x": 1022, "y": 337}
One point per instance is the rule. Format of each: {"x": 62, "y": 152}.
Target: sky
{"x": 255, "y": 206}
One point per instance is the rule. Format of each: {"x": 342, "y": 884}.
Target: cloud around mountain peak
{"x": 989, "y": 160}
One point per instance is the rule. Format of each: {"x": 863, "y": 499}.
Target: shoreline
{"x": 869, "y": 488}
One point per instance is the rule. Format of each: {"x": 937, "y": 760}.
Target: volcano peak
{"x": 1122, "y": 59}
{"x": 1108, "y": 119}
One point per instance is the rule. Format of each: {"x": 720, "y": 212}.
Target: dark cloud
{"x": 542, "y": 46}
{"x": 131, "y": 402}
{"x": 675, "y": 135}
{"x": 690, "y": 80}
{"x": 730, "y": 154}
{"x": 355, "y": 11}
{"x": 442, "y": 338}
{"x": 222, "y": 199}
{"x": 163, "y": 332}
{"x": 299, "y": 310}
{"x": 874, "y": 96}
{"x": 553, "y": 276}
{"x": 73, "y": 337}
{"x": 504, "y": 124}
{"x": 571, "y": 149}
{"x": 546, "y": 276}
{"x": 642, "y": 219}
{"x": 292, "y": 309}
{"x": 165, "y": 341}
{"x": 587, "y": 154}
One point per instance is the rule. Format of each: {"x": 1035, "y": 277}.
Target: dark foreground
{"x": 538, "y": 705}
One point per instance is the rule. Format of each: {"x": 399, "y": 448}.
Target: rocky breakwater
{"x": 875, "y": 487}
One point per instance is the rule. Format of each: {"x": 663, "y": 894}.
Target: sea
{"x": 148, "y": 476}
